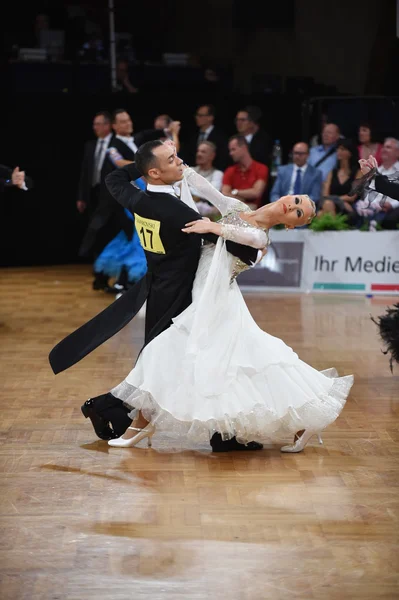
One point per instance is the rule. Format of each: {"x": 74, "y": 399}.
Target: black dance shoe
{"x": 101, "y": 426}
{"x": 218, "y": 445}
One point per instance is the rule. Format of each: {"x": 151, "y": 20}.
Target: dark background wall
{"x": 277, "y": 57}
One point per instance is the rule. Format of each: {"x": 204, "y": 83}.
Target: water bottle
{"x": 276, "y": 158}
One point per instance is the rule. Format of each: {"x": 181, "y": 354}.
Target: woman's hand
{"x": 367, "y": 165}
{"x": 203, "y": 225}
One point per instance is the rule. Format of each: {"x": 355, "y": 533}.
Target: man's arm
{"x": 119, "y": 186}
{"x": 386, "y": 187}
{"x": 315, "y": 191}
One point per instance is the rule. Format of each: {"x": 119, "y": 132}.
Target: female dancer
{"x": 214, "y": 369}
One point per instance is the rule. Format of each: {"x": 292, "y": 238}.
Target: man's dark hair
{"x": 117, "y": 112}
{"x": 144, "y": 157}
{"x": 210, "y": 107}
{"x": 105, "y": 114}
{"x": 241, "y": 141}
{"x": 254, "y": 113}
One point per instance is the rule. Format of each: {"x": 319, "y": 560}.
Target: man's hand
{"x": 81, "y": 206}
{"x": 18, "y": 178}
{"x": 174, "y": 127}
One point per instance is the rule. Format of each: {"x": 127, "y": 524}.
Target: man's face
{"x": 205, "y": 155}
{"x": 123, "y": 124}
{"x": 390, "y": 152}
{"x": 160, "y": 122}
{"x": 203, "y": 118}
{"x": 168, "y": 168}
{"x": 300, "y": 154}
{"x": 236, "y": 152}
{"x": 330, "y": 134}
{"x": 101, "y": 127}
{"x": 243, "y": 123}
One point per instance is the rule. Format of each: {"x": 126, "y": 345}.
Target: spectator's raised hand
{"x": 367, "y": 165}
{"x": 18, "y": 178}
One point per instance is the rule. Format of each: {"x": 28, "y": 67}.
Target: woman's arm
{"x": 223, "y": 203}
{"x": 327, "y": 185}
{"x": 250, "y": 236}
{"x": 347, "y": 197}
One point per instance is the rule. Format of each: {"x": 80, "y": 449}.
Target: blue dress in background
{"x": 121, "y": 252}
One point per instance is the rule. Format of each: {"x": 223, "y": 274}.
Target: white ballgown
{"x": 214, "y": 370}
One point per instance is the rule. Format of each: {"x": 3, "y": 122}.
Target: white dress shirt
{"x": 203, "y": 135}
{"x": 249, "y": 138}
{"x": 102, "y": 143}
{"x": 129, "y": 141}
{"x": 294, "y": 172}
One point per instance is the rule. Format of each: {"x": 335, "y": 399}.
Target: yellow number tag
{"x": 148, "y": 232}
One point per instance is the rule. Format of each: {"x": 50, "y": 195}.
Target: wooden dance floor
{"x": 83, "y": 521}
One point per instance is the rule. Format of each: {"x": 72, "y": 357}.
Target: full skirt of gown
{"x": 214, "y": 370}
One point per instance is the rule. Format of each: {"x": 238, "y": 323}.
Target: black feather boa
{"x": 388, "y": 325}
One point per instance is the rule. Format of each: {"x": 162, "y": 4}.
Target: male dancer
{"x": 172, "y": 263}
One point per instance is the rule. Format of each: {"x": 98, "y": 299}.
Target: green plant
{"x": 328, "y": 222}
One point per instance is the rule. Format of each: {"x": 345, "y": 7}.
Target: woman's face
{"x": 343, "y": 153}
{"x": 294, "y": 211}
{"x": 364, "y": 135}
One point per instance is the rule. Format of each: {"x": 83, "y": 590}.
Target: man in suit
{"x": 298, "y": 178}
{"x": 205, "y": 120}
{"x": 105, "y": 216}
{"x": 248, "y": 124}
{"x": 172, "y": 259}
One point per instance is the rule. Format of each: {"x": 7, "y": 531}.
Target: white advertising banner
{"x": 354, "y": 262}
{"x": 351, "y": 261}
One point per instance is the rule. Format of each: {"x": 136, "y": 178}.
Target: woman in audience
{"x": 337, "y": 187}
{"x": 367, "y": 145}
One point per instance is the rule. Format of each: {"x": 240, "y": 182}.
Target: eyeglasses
{"x": 241, "y": 119}
{"x": 300, "y": 153}
{"x": 201, "y": 115}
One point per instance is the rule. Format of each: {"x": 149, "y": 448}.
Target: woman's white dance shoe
{"x": 298, "y": 445}
{"x": 147, "y": 432}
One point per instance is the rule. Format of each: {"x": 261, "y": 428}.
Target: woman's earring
{"x": 286, "y": 228}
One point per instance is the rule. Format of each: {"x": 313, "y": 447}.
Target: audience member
{"x": 207, "y": 131}
{"x": 123, "y": 83}
{"x": 367, "y": 143}
{"x": 247, "y": 178}
{"x": 324, "y": 157}
{"x": 206, "y": 154}
{"x": 248, "y": 125}
{"x": 387, "y": 212}
{"x": 298, "y": 178}
{"x": 106, "y": 218}
{"x": 336, "y": 189}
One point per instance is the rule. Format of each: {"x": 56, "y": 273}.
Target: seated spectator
{"x": 298, "y": 178}
{"x": 259, "y": 141}
{"x": 206, "y": 131}
{"x": 247, "y": 179}
{"x": 367, "y": 144}
{"x": 123, "y": 83}
{"x": 324, "y": 157}
{"x": 206, "y": 153}
{"x": 385, "y": 210}
{"x": 336, "y": 188}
